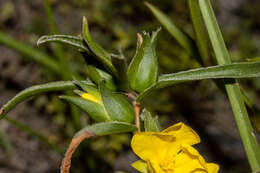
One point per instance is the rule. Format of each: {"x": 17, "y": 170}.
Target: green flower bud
{"x": 143, "y": 69}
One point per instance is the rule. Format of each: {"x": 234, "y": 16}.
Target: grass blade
{"x": 201, "y": 38}
{"x": 233, "y": 90}
{"x": 6, "y": 143}
{"x": 182, "y": 38}
{"x": 30, "y": 52}
{"x": 33, "y": 91}
{"x": 34, "y": 133}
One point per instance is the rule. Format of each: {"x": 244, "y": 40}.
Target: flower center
{"x": 167, "y": 166}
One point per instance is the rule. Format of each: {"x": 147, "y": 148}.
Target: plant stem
{"x": 233, "y": 90}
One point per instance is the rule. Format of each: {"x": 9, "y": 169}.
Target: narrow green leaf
{"x": 101, "y": 54}
{"x": 201, "y": 38}
{"x": 30, "y": 52}
{"x": 150, "y": 123}
{"x": 116, "y": 105}
{"x": 34, "y": 133}
{"x": 235, "y": 70}
{"x": 182, "y": 38}
{"x": 234, "y": 93}
{"x": 109, "y": 128}
{"x": 95, "y": 110}
{"x": 74, "y": 41}
{"x": 33, "y": 91}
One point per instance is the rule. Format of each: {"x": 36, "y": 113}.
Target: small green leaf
{"x": 235, "y": 70}
{"x": 74, "y": 41}
{"x": 143, "y": 69}
{"x": 117, "y": 105}
{"x": 33, "y": 91}
{"x": 97, "y": 75}
{"x": 109, "y": 128}
{"x": 101, "y": 54}
{"x": 95, "y": 110}
{"x": 150, "y": 124}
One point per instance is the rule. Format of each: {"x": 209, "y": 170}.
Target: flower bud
{"x": 143, "y": 69}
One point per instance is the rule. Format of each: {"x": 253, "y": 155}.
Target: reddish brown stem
{"x": 66, "y": 162}
{"x": 137, "y": 115}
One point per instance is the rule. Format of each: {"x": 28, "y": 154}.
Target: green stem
{"x": 233, "y": 90}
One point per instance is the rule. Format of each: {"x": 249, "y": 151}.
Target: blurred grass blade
{"x": 74, "y": 41}
{"x": 99, "y": 129}
{"x": 35, "y": 90}
{"x": 101, "y": 54}
{"x": 34, "y": 133}
{"x": 52, "y": 24}
{"x": 58, "y": 49}
{"x": 6, "y": 143}
{"x": 198, "y": 27}
{"x": 235, "y": 96}
{"x": 30, "y": 52}
{"x": 235, "y": 70}
{"x": 95, "y": 110}
{"x": 182, "y": 38}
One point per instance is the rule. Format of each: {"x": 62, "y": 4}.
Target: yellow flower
{"x": 91, "y": 97}
{"x": 170, "y": 151}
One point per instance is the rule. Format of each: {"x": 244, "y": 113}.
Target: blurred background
{"x": 25, "y": 137}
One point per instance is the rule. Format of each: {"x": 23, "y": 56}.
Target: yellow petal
{"x": 156, "y": 146}
{"x": 183, "y": 133}
{"x": 140, "y": 166}
{"x": 90, "y": 97}
{"x": 212, "y": 168}
{"x": 189, "y": 161}
{"x": 152, "y": 145}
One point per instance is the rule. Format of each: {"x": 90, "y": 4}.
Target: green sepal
{"x": 143, "y": 69}
{"x": 95, "y": 110}
{"x": 97, "y": 75}
{"x": 88, "y": 87}
{"x": 100, "y": 53}
{"x": 151, "y": 124}
{"x": 116, "y": 105}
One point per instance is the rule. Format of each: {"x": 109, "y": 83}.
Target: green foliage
{"x": 108, "y": 74}
{"x": 95, "y": 110}
{"x": 233, "y": 90}
{"x": 35, "y": 90}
